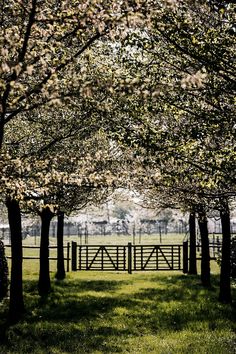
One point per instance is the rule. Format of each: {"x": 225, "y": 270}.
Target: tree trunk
{"x": 2, "y": 116}
{"x": 44, "y": 284}
{"x": 3, "y": 272}
{"x": 1, "y": 138}
{"x": 60, "y": 274}
{"x": 205, "y": 261}
{"x": 16, "y": 306}
{"x": 225, "y": 289}
{"x": 192, "y": 232}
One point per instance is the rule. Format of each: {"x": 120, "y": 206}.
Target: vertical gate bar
{"x": 179, "y": 255}
{"x": 117, "y": 257}
{"x": 172, "y": 257}
{"x": 80, "y": 257}
{"x": 102, "y": 257}
{"x": 185, "y": 257}
{"x": 73, "y": 255}
{"x": 129, "y": 257}
{"x": 135, "y": 261}
{"x": 214, "y": 242}
{"x": 68, "y": 257}
{"x": 124, "y": 255}
{"x": 156, "y": 258}
{"x": 141, "y": 257}
{"x": 87, "y": 255}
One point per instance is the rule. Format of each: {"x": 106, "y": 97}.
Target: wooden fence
{"x": 129, "y": 257}
{"x": 126, "y": 257}
{"x": 215, "y": 246}
{"x": 67, "y": 247}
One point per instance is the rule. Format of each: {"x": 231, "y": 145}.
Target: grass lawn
{"x": 95, "y": 312}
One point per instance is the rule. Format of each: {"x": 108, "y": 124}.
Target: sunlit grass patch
{"x": 185, "y": 343}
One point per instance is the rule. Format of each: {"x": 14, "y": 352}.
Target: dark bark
{"x": 16, "y": 306}
{"x": 1, "y": 130}
{"x": 3, "y": 272}
{"x": 44, "y": 283}
{"x": 60, "y": 274}
{"x": 225, "y": 289}
{"x": 205, "y": 260}
{"x": 192, "y": 251}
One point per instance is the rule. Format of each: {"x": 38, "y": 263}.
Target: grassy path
{"x": 95, "y": 312}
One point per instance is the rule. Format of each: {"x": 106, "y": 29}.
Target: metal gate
{"x": 130, "y": 257}
{"x": 101, "y": 257}
{"x": 158, "y": 257}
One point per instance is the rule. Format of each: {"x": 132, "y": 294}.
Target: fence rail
{"x": 67, "y": 247}
{"x": 129, "y": 257}
{"x": 215, "y": 246}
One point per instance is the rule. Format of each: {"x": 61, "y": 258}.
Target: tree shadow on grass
{"x": 182, "y": 300}
{"x": 77, "y": 300}
{"x": 77, "y": 285}
{"x": 175, "y": 302}
{"x": 54, "y": 337}
{"x": 71, "y": 319}
{"x": 87, "y": 316}
{"x": 170, "y": 278}
{"x": 91, "y": 285}
{"x": 190, "y": 286}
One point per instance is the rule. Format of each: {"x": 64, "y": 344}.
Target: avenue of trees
{"x": 104, "y": 94}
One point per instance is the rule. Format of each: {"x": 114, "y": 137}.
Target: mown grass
{"x": 95, "y": 312}
{"x": 112, "y": 239}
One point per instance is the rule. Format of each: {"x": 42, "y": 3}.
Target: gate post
{"x": 68, "y": 257}
{"x": 185, "y": 257}
{"x": 73, "y": 255}
{"x": 129, "y": 257}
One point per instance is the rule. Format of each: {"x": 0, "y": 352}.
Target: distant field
{"x": 124, "y": 239}
{"x": 93, "y": 240}
{"x": 33, "y": 265}
{"x": 114, "y": 239}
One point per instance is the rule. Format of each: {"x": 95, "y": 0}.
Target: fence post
{"x": 185, "y": 257}
{"x": 129, "y": 257}
{"x": 68, "y": 257}
{"x": 73, "y": 255}
{"x": 214, "y": 245}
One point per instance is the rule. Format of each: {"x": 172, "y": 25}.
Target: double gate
{"x": 130, "y": 257}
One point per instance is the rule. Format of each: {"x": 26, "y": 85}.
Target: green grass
{"x": 95, "y": 312}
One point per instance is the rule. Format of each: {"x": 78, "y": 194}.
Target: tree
{"x": 61, "y": 34}
{"x": 16, "y": 307}
{"x": 225, "y": 290}
{"x": 185, "y": 128}
{"x": 179, "y": 121}
{"x": 60, "y": 274}
{"x": 205, "y": 257}
{"x": 44, "y": 285}
{"x": 66, "y": 183}
{"x": 192, "y": 238}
